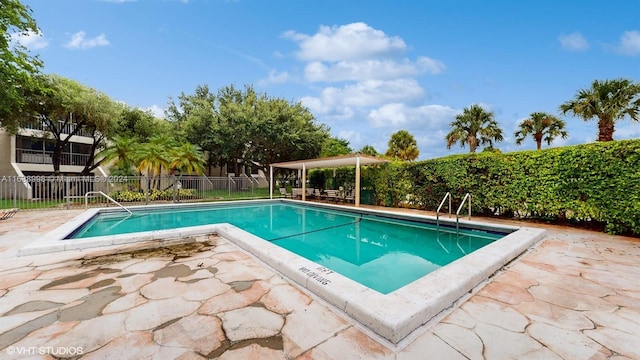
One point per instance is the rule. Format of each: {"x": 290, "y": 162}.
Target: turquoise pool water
{"x": 381, "y": 253}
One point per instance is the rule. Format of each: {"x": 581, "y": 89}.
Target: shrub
{"x": 597, "y": 183}
{"x": 154, "y": 194}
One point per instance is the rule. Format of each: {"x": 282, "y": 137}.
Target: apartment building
{"x": 29, "y": 154}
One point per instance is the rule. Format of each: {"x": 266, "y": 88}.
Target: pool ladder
{"x": 467, "y": 199}
{"x": 86, "y": 200}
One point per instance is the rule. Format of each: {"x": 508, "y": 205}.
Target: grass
{"x": 30, "y": 204}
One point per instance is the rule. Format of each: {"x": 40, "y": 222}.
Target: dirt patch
{"x": 175, "y": 251}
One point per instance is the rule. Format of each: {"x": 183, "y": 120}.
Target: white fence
{"x": 66, "y": 192}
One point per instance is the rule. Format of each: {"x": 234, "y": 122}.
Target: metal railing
{"x": 466, "y": 197}
{"x": 64, "y": 127}
{"x": 67, "y": 192}
{"x": 86, "y": 200}
{"x": 447, "y": 195}
{"x": 29, "y": 156}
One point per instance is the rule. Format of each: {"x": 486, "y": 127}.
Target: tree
{"x": 123, "y": 152}
{"x": 153, "y": 156}
{"x": 65, "y": 108}
{"x": 135, "y": 123}
{"x": 186, "y": 158}
{"x": 403, "y": 146}
{"x": 335, "y": 146}
{"x": 283, "y": 131}
{"x": 541, "y": 126}
{"x": 474, "y": 126}
{"x": 609, "y": 101}
{"x": 369, "y": 150}
{"x": 17, "y": 67}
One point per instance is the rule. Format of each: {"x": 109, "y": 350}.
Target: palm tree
{"x": 403, "y": 146}
{"x": 541, "y": 126}
{"x": 123, "y": 151}
{"x": 187, "y": 158}
{"x": 474, "y": 125}
{"x": 609, "y": 101}
{"x": 368, "y": 150}
{"x": 153, "y": 157}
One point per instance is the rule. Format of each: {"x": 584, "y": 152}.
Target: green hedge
{"x": 597, "y": 183}
{"x": 137, "y": 196}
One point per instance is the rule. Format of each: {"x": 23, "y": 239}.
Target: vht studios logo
{"x": 44, "y": 350}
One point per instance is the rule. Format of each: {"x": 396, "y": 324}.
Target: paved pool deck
{"x": 576, "y": 295}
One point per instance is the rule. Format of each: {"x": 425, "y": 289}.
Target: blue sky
{"x": 365, "y": 68}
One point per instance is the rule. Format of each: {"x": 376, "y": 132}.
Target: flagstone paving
{"x": 574, "y": 296}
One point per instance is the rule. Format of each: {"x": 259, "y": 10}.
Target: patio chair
{"x": 7, "y": 213}
{"x": 317, "y": 194}
{"x": 332, "y": 195}
{"x": 284, "y": 193}
{"x": 310, "y": 192}
{"x": 296, "y": 193}
{"x": 349, "y": 197}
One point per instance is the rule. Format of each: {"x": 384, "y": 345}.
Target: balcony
{"x": 65, "y": 128}
{"x": 28, "y": 156}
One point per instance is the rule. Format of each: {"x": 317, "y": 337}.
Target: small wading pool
{"x": 391, "y": 272}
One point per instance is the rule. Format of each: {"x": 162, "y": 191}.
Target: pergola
{"x": 356, "y": 160}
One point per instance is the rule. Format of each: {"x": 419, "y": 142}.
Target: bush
{"x": 155, "y": 194}
{"x": 597, "y": 183}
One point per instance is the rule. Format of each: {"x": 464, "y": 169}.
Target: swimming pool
{"x": 379, "y": 252}
{"x": 392, "y": 316}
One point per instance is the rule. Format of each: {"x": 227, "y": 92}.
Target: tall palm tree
{"x": 609, "y": 101}
{"x": 187, "y": 158}
{"x": 541, "y": 126}
{"x": 473, "y": 126}
{"x": 403, "y": 146}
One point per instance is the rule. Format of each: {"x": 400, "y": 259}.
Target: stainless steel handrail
{"x": 86, "y": 200}
{"x": 467, "y": 196}
{"x": 447, "y": 195}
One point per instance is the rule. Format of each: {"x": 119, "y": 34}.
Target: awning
{"x": 356, "y": 160}
{"x": 331, "y": 162}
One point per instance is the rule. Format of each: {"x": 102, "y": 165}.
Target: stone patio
{"x": 574, "y": 296}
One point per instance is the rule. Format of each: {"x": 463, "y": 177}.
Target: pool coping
{"x": 393, "y": 316}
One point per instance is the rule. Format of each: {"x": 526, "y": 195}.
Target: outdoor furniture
{"x": 7, "y": 213}
{"x": 332, "y": 195}
{"x": 296, "y": 193}
{"x": 310, "y": 192}
{"x": 317, "y": 194}
{"x": 348, "y": 197}
{"x": 284, "y": 193}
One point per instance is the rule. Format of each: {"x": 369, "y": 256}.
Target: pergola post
{"x": 271, "y": 182}
{"x": 304, "y": 182}
{"x": 357, "y": 199}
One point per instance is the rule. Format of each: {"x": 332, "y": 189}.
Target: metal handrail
{"x": 86, "y": 200}
{"x": 447, "y": 195}
{"x": 467, "y": 196}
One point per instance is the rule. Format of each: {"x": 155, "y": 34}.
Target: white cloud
{"x": 373, "y": 85}
{"x": 156, "y": 110}
{"x": 397, "y": 115}
{"x": 349, "y": 42}
{"x": 275, "y": 78}
{"x": 630, "y": 43}
{"x": 370, "y": 69}
{"x": 80, "y": 41}
{"x": 30, "y": 39}
{"x": 365, "y": 94}
{"x": 574, "y": 41}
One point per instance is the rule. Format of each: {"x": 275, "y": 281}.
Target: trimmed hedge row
{"x": 154, "y": 194}
{"x": 596, "y": 183}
